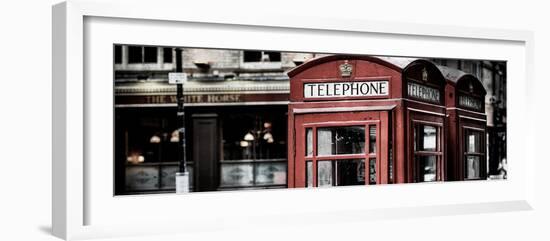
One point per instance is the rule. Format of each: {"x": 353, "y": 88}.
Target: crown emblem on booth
{"x": 424, "y": 74}
{"x": 345, "y": 69}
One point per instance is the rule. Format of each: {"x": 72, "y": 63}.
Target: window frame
{"x": 253, "y": 160}
{"x": 117, "y": 54}
{"x": 481, "y": 154}
{"x": 260, "y": 65}
{"x": 262, "y": 52}
{"x": 366, "y": 156}
{"x": 142, "y": 49}
{"x": 438, "y": 153}
{"x": 160, "y": 163}
{"x": 166, "y": 50}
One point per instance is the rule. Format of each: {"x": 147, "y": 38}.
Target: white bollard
{"x": 182, "y": 182}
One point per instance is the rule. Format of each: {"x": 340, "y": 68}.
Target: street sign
{"x": 177, "y": 78}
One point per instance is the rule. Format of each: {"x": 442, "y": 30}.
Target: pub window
{"x": 148, "y": 159}
{"x": 167, "y": 55}
{"x": 261, "y": 56}
{"x": 254, "y": 150}
{"x": 149, "y": 54}
{"x": 118, "y": 54}
{"x": 427, "y": 152}
{"x": 475, "y": 69}
{"x": 142, "y": 54}
{"x": 473, "y": 154}
{"x": 135, "y": 54}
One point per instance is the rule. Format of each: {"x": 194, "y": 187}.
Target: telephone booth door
{"x": 341, "y": 149}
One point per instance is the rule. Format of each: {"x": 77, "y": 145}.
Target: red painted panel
{"x": 395, "y": 111}
{"x": 460, "y": 118}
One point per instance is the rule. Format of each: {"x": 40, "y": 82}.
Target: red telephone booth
{"x": 361, "y": 120}
{"x": 466, "y": 126}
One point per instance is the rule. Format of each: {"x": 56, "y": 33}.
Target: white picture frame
{"x": 83, "y": 204}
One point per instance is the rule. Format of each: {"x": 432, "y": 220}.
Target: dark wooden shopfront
{"x": 220, "y": 117}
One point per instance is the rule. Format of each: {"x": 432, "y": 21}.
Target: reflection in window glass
{"x": 361, "y": 172}
{"x": 372, "y": 139}
{"x": 309, "y": 174}
{"x": 324, "y": 141}
{"x": 142, "y": 178}
{"x": 427, "y": 172}
{"x": 471, "y": 143}
{"x": 473, "y": 154}
{"x": 254, "y": 135}
{"x": 271, "y": 173}
{"x": 372, "y": 171}
{"x": 168, "y": 176}
{"x": 324, "y": 173}
{"x": 146, "y": 140}
{"x": 429, "y": 138}
{"x": 254, "y": 148}
{"x": 425, "y": 138}
{"x": 472, "y": 167}
{"x": 237, "y": 174}
{"x": 341, "y": 140}
{"x": 474, "y": 142}
{"x": 309, "y": 142}
{"x": 341, "y": 172}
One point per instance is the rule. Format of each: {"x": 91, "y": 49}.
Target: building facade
{"x": 236, "y": 105}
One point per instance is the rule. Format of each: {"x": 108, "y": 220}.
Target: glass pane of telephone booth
{"x": 341, "y": 172}
{"x": 427, "y": 168}
{"x": 372, "y": 139}
{"x": 309, "y": 174}
{"x": 473, "y": 167}
{"x": 309, "y": 142}
{"x": 324, "y": 173}
{"x": 473, "y": 142}
{"x": 425, "y": 138}
{"x": 372, "y": 171}
{"x": 341, "y": 140}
